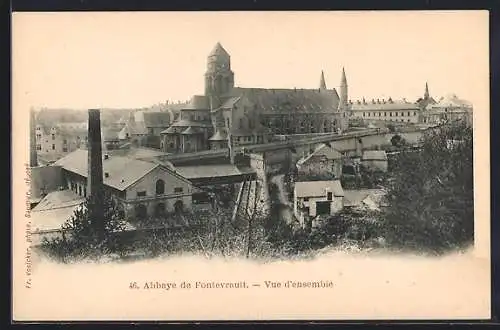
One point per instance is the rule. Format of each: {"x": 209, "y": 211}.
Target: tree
{"x": 85, "y": 235}
{"x": 398, "y": 141}
{"x": 431, "y": 195}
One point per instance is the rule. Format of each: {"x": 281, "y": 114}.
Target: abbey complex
{"x": 227, "y": 114}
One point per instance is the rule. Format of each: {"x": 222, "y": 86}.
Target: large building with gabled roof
{"x": 227, "y": 115}
{"x": 143, "y": 188}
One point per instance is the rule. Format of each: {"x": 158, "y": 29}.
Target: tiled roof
{"x": 374, "y": 155}
{"x": 322, "y": 150}
{"x": 123, "y": 171}
{"x": 220, "y": 135}
{"x": 290, "y": 100}
{"x": 318, "y": 188}
{"x": 393, "y": 105}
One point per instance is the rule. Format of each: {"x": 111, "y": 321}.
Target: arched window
{"x": 160, "y": 187}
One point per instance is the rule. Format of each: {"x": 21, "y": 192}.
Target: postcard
{"x": 191, "y": 166}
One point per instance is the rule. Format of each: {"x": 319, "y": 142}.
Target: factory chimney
{"x": 95, "y": 181}
{"x": 95, "y": 207}
{"x": 33, "y": 155}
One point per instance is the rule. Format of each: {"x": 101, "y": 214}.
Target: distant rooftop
{"x": 318, "y": 188}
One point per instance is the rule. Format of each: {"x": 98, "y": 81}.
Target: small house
{"x": 324, "y": 161}
{"x": 313, "y": 198}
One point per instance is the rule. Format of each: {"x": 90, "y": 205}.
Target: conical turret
{"x": 343, "y": 91}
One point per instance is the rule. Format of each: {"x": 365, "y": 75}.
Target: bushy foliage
{"x": 431, "y": 195}
{"x": 86, "y": 235}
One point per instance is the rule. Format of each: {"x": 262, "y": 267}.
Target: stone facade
{"x": 240, "y": 116}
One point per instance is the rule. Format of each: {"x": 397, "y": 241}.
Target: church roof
{"x": 290, "y": 100}
{"x": 198, "y": 102}
{"x": 230, "y": 102}
{"x": 192, "y": 131}
{"x": 218, "y": 50}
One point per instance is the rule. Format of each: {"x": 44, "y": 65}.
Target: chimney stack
{"x": 33, "y": 155}
{"x": 94, "y": 179}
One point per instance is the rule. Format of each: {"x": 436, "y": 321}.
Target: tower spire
{"x": 426, "y": 94}
{"x": 343, "y": 91}
{"x": 322, "y": 83}
{"x": 343, "y": 80}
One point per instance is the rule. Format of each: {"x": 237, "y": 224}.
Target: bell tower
{"x": 219, "y": 79}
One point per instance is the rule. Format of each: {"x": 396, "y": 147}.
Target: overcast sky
{"x": 83, "y": 60}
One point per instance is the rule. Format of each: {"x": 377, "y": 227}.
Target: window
{"x": 363, "y": 114}
{"x": 385, "y": 114}
{"x": 53, "y": 147}
{"x": 178, "y": 190}
{"x": 65, "y": 149}
{"x": 38, "y": 147}
{"x": 65, "y": 141}
{"x": 409, "y": 113}
{"x": 379, "y": 114}
{"x": 53, "y": 136}
{"x": 306, "y": 199}
{"x": 227, "y": 122}
{"x": 141, "y": 193}
{"x": 396, "y": 114}
{"x": 85, "y": 191}
{"x": 80, "y": 190}
{"x": 160, "y": 187}
{"x": 39, "y": 136}
{"x": 402, "y": 114}
{"x": 390, "y": 114}
{"x": 329, "y": 195}
{"x": 414, "y": 113}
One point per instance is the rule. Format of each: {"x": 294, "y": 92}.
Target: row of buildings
{"x": 226, "y": 115}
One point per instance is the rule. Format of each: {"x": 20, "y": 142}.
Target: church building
{"x": 228, "y": 114}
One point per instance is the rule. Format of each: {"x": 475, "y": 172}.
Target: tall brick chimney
{"x": 94, "y": 179}
{"x": 33, "y": 155}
